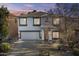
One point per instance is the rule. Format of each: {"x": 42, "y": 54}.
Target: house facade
{"x": 39, "y": 26}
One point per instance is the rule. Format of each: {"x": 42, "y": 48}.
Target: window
{"x": 37, "y": 21}
{"x": 56, "y": 21}
{"x": 23, "y": 21}
{"x": 55, "y": 34}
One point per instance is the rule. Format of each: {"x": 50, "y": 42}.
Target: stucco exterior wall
{"x": 29, "y": 26}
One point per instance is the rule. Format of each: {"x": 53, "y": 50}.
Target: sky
{"x": 28, "y": 6}
{"x": 18, "y": 8}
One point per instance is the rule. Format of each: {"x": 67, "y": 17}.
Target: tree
{"x": 3, "y": 22}
{"x": 61, "y": 9}
{"x": 75, "y": 9}
{"x": 50, "y": 11}
{"x": 69, "y": 10}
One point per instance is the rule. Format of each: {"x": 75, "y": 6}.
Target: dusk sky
{"x": 28, "y": 6}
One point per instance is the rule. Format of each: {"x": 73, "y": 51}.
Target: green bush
{"x": 5, "y": 47}
{"x": 71, "y": 44}
{"x": 76, "y": 51}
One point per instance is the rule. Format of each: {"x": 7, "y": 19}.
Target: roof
{"x": 11, "y": 16}
{"x": 33, "y": 14}
{"x": 52, "y": 15}
{"x": 42, "y": 14}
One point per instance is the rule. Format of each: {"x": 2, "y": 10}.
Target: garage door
{"x": 30, "y": 35}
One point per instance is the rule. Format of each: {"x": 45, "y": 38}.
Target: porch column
{"x": 50, "y": 35}
{"x": 42, "y": 34}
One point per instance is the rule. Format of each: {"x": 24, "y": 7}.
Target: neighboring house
{"x": 39, "y": 26}
{"x": 13, "y": 27}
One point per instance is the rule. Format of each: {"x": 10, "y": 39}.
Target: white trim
{"x": 42, "y": 34}
{"x": 50, "y": 35}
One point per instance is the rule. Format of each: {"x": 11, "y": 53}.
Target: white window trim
{"x": 20, "y": 19}
{"x": 56, "y": 21}
{"x": 39, "y": 21}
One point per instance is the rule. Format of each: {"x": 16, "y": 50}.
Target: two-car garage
{"x": 30, "y": 35}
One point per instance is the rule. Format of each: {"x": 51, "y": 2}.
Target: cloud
{"x": 48, "y": 5}
{"x": 39, "y": 6}
{"x": 29, "y": 5}
{"x": 8, "y": 5}
{"x": 5, "y": 4}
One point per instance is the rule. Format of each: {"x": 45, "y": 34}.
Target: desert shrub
{"x": 76, "y": 51}
{"x": 71, "y": 44}
{"x": 5, "y": 47}
{"x": 56, "y": 45}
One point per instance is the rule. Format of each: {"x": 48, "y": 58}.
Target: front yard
{"x": 36, "y": 48}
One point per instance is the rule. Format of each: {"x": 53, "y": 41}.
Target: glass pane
{"x": 22, "y": 21}
{"x": 56, "y": 21}
{"x": 36, "y": 21}
{"x": 55, "y": 34}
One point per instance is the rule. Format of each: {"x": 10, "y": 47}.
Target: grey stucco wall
{"x": 29, "y": 26}
{"x": 44, "y": 19}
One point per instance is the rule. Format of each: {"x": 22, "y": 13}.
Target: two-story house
{"x": 39, "y": 26}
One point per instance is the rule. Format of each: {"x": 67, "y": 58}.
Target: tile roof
{"x": 33, "y": 14}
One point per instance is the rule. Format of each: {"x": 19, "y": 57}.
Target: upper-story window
{"x": 37, "y": 21}
{"x": 23, "y": 21}
{"x": 56, "y": 21}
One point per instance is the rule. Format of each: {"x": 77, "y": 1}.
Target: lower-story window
{"x": 55, "y": 35}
